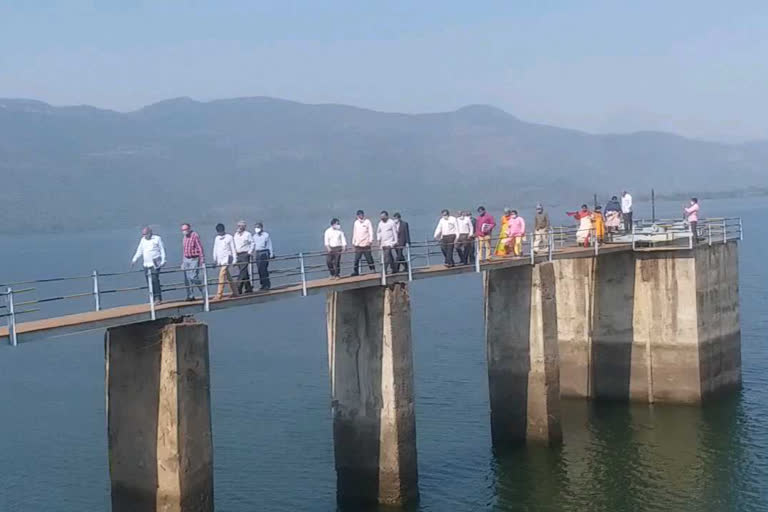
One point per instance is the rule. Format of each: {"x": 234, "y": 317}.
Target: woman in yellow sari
{"x": 598, "y": 223}
{"x": 502, "y": 248}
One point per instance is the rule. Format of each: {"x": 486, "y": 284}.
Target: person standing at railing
{"x": 244, "y": 246}
{"x": 335, "y": 243}
{"x": 503, "y": 245}
{"x": 464, "y": 242}
{"x": 626, "y": 211}
{"x": 224, "y": 255}
{"x": 386, "y": 235}
{"x": 584, "y": 216}
{"x": 484, "y": 232}
{"x": 515, "y": 233}
{"x": 262, "y": 253}
{"x": 403, "y": 240}
{"x": 152, "y": 252}
{"x": 192, "y": 260}
{"x": 362, "y": 238}
{"x": 692, "y": 214}
{"x": 612, "y": 216}
{"x": 598, "y": 223}
{"x": 447, "y": 230}
{"x": 541, "y": 229}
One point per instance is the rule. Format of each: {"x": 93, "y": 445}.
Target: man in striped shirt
{"x": 192, "y": 261}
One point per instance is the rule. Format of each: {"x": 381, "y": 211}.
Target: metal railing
{"x": 298, "y": 271}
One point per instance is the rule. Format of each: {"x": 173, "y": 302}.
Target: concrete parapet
{"x": 371, "y": 368}
{"x": 655, "y": 326}
{"x": 159, "y": 417}
{"x": 521, "y": 344}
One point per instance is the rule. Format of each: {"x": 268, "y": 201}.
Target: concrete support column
{"x": 523, "y": 367}
{"x": 159, "y": 417}
{"x": 371, "y": 368}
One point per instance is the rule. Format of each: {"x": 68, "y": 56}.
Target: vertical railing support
{"x": 206, "y": 297}
{"x": 11, "y": 318}
{"x": 408, "y": 257}
{"x": 633, "y": 237}
{"x": 551, "y": 243}
{"x": 383, "y": 268}
{"x": 741, "y": 230}
{"x": 725, "y": 228}
{"x": 709, "y": 233}
{"x": 303, "y": 275}
{"x": 150, "y": 287}
{"x": 690, "y": 240}
{"x": 477, "y": 255}
{"x": 597, "y": 244}
{"x": 533, "y": 255}
{"x": 252, "y": 264}
{"x": 96, "y": 294}
{"x": 426, "y": 247}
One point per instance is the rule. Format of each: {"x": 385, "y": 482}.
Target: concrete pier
{"x": 521, "y": 343}
{"x": 654, "y": 326}
{"x": 371, "y": 369}
{"x": 159, "y": 417}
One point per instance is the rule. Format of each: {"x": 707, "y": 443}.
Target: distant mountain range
{"x": 74, "y": 167}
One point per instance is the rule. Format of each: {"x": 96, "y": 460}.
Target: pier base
{"x": 523, "y": 367}
{"x": 371, "y": 370}
{"x": 159, "y": 417}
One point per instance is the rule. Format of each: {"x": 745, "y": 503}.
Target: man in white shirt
{"x": 224, "y": 254}
{"x": 335, "y": 243}
{"x": 262, "y": 253}
{"x": 152, "y": 252}
{"x": 626, "y": 211}
{"x": 244, "y": 246}
{"x": 447, "y": 230}
{"x": 386, "y": 235}
{"x": 464, "y": 241}
{"x": 362, "y": 238}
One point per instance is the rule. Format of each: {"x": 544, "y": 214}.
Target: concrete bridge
{"x": 657, "y": 324}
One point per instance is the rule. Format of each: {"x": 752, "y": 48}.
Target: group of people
{"x": 392, "y": 234}
{"x": 236, "y": 251}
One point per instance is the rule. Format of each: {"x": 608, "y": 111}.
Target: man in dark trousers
{"x": 403, "y": 239}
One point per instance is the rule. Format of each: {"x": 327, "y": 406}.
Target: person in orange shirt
{"x": 598, "y": 224}
{"x": 502, "y": 247}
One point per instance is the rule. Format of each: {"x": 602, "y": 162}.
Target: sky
{"x": 697, "y": 68}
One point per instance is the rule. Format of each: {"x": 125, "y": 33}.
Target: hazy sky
{"x": 692, "y": 67}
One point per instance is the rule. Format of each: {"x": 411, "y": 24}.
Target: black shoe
{"x": 190, "y": 299}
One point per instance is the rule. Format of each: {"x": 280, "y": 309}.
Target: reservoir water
{"x": 271, "y": 416}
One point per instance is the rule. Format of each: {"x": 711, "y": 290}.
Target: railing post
{"x": 477, "y": 255}
{"x": 383, "y": 268}
{"x": 690, "y": 239}
{"x": 408, "y": 257}
{"x": 633, "y": 236}
{"x": 96, "y": 294}
{"x": 709, "y": 233}
{"x": 148, "y": 273}
{"x": 725, "y": 228}
{"x": 533, "y": 255}
{"x": 252, "y": 265}
{"x": 426, "y": 247}
{"x": 303, "y": 275}
{"x": 741, "y": 230}
{"x": 551, "y": 243}
{"x": 597, "y": 244}
{"x": 206, "y": 297}
{"x": 11, "y": 318}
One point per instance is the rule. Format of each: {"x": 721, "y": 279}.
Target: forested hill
{"x": 183, "y": 159}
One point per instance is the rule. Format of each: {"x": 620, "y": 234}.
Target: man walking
{"x": 447, "y": 230}
{"x": 262, "y": 253}
{"x": 403, "y": 239}
{"x": 626, "y": 211}
{"x": 244, "y": 246}
{"x": 192, "y": 260}
{"x": 541, "y": 229}
{"x": 335, "y": 243}
{"x": 386, "y": 235}
{"x": 484, "y": 231}
{"x": 464, "y": 242}
{"x": 152, "y": 252}
{"x": 362, "y": 238}
{"x": 224, "y": 254}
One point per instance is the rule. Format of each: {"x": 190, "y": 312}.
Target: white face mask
{"x": 336, "y": 226}
{"x": 257, "y": 230}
